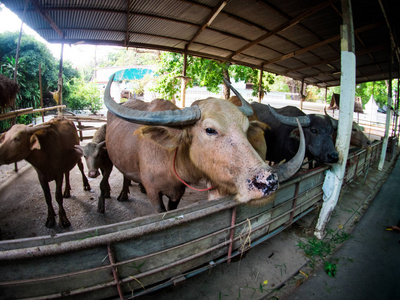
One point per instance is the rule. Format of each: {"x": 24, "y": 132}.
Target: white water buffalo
{"x": 206, "y": 141}
{"x": 283, "y": 138}
{"x": 49, "y": 148}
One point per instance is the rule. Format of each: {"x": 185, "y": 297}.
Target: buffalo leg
{"x": 64, "y": 222}
{"x": 123, "y": 196}
{"x": 156, "y": 200}
{"x": 50, "y": 222}
{"x": 86, "y": 185}
{"x": 67, "y": 190}
{"x": 173, "y": 201}
{"x": 104, "y": 190}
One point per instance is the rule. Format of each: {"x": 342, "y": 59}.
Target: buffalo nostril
{"x": 272, "y": 178}
{"x": 266, "y": 184}
{"x": 333, "y": 157}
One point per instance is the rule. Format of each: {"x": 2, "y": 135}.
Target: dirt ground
{"x": 23, "y": 210}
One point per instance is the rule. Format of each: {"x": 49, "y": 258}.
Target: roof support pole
{"x": 334, "y": 177}
{"x": 260, "y": 89}
{"x": 184, "y": 80}
{"x": 60, "y": 79}
{"x": 388, "y": 118}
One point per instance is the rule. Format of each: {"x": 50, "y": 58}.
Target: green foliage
{"x": 83, "y": 96}
{"x": 246, "y": 74}
{"x": 378, "y": 89}
{"x": 32, "y": 53}
{"x": 204, "y": 72}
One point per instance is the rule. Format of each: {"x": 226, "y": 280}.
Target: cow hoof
{"x": 122, "y": 198}
{"x": 64, "y": 224}
{"x": 107, "y": 194}
{"x": 50, "y": 223}
{"x": 67, "y": 194}
{"x": 86, "y": 187}
{"x": 101, "y": 210}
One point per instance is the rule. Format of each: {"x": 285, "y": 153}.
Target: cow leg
{"x": 156, "y": 200}
{"x": 86, "y": 185}
{"x": 123, "y": 196}
{"x": 50, "y": 222}
{"x": 104, "y": 190}
{"x": 67, "y": 190}
{"x": 63, "y": 220}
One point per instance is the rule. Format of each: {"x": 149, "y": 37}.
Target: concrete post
{"x": 334, "y": 177}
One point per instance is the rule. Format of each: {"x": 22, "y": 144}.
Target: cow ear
{"x": 260, "y": 125}
{"x": 34, "y": 142}
{"x": 295, "y": 134}
{"x": 79, "y": 150}
{"x": 168, "y": 138}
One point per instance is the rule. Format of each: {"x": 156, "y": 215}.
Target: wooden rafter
{"x": 285, "y": 25}
{"x": 47, "y": 17}
{"x": 213, "y": 14}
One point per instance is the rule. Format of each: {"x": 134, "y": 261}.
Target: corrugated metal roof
{"x": 296, "y": 38}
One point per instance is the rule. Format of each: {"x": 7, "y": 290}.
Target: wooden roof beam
{"x": 285, "y": 25}
{"x": 214, "y": 13}
{"x": 46, "y": 16}
{"x": 319, "y": 44}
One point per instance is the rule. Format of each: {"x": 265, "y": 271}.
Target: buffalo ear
{"x": 34, "y": 142}
{"x": 295, "y": 134}
{"x": 166, "y": 137}
{"x": 260, "y": 125}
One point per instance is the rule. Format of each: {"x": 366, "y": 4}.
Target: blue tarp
{"x": 131, "y": 74}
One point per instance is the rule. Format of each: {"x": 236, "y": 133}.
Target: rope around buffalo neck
{"x": 181, "y": 180}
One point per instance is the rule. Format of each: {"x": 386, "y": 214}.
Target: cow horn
{"x": 290, "y": 168}
{"x": 185, "y": 116}
{"x": 304, "y": 120}
{"x": 333, "y": 121}
{"x": 33, "y": 129}
{"x": 245, "y": 108}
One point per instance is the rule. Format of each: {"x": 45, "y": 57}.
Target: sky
{"x": 78, "y": 55}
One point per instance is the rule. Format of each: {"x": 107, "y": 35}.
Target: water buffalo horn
{"x": 290, "y": 168}
{"x": 304, "y": 120}
{"x": 333, "y": 121}
{"x": 245, "y": 108}
{"x": 185, "y": 116}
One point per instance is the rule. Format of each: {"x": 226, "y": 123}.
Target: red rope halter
{"x": 181, "y": 180}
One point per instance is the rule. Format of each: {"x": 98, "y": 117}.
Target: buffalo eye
{"x": 313, "y": 130}
{"x": 211, "y": 131}
{"x": 16, "y": 139}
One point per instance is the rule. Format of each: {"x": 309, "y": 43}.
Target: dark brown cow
{"x": 209, "y": 142}
{"x": 49, "y": 148}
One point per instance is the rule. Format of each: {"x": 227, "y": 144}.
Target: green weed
{"x": 319, "y": 249}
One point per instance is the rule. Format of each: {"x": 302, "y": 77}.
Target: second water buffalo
{"x": 283, "y": 138}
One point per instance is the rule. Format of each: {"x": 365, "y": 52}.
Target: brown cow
{"x": 357, "y": 138}
{"x": 49, "y": 148}
{"x": 209, "y": 142}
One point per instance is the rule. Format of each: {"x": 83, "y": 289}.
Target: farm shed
{"x": 326, "y": 44}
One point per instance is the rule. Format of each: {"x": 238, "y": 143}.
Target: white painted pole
{"x": 334, "y": 177}
{"x": 388, "y": 118}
